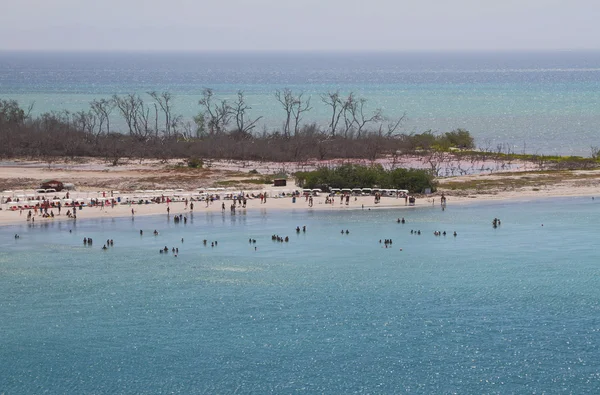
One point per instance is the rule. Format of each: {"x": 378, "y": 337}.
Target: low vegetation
{"x": 353, "y": 176}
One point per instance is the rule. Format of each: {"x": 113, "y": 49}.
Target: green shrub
{"x": 357, "y": 176}
{"x": 195, "y": 163}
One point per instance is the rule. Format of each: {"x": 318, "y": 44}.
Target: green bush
{"x": 357, "y": 176}
{"x": 458, "y": 138}
{"x": 195, "y": 163}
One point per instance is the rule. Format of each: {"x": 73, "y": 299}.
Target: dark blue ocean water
{"x": 507, "y": 310}
{"x": 539, "y": 102}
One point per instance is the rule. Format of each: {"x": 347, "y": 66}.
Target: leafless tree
{"x": 360, "y": 119}
{"x": 333, "y": 100}
{"x": 393, "y": 126}
{"x": 164, "y": 100}
{"x": 286, "y": 98}
{"x": 103, "y": 108}
{"x": 299, "y": 107}
{"x": 217, "y": 115}
{"x": 239, "y": 108}
{"x": 128, "y": 106}
{"x": 85, "y": 121}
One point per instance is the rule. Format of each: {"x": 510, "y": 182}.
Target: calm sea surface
{"x": 508, "y": 310}
{"x": 528, "y": 102}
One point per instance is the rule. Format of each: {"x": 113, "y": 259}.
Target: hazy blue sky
{"x": 299, "y": 24}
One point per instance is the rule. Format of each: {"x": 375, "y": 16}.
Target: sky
{"x": 299, "y": 25}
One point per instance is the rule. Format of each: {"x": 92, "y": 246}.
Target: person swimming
{"x": 104, "y": 247}
{"x": 304, "y": 228}
{"x": 347, "y": 231}
{"x": 141, "y": 232}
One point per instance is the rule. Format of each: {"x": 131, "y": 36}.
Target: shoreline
{"x": 93, "y": 176}
{"x": 12, "y": 218}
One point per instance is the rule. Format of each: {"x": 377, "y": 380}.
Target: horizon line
{"x": 306, "y": 51}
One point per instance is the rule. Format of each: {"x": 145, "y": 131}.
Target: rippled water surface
{"x": 507, "y": 310}
{"x": 527, "y": 102}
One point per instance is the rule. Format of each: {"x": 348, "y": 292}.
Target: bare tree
{"x": 218, "y": 115}
{"x": 394, "y": 125}
{"x": 360, "y": 119}
{"x": 137, "y": 116}
{"x": 286, "y": 98}
{"x": 299, "y": 107}
{"x": 103, "y": 108}
{"x": 128, "y": 107}
{"x": 333, "y": 100}
{"x": 85, "y": 121}
{"x": 164, "y": 101}
{"x": 239, "y": 108}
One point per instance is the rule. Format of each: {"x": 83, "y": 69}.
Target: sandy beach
{"x": 94, "y": 180}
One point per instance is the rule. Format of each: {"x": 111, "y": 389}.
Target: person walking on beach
{"x": 168, "y": 210}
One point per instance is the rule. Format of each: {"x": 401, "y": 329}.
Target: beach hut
{"x": 356, "y": 191}
{"x": 367, "y": 191}
{"x": 280, "y": 182}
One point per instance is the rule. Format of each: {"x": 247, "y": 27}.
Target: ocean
{"x": 521, "y": 102}
{"x": 506, "y": 310}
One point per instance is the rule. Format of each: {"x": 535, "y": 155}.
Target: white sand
{"x": 96, "y": 175}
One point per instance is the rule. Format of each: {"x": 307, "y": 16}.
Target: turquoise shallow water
{"x": 538, "y": 102}
{"x": 507, "y": 310}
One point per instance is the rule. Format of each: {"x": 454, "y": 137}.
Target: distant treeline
{"x": 353, "y": 176}
{"x": 221, "y": 130}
